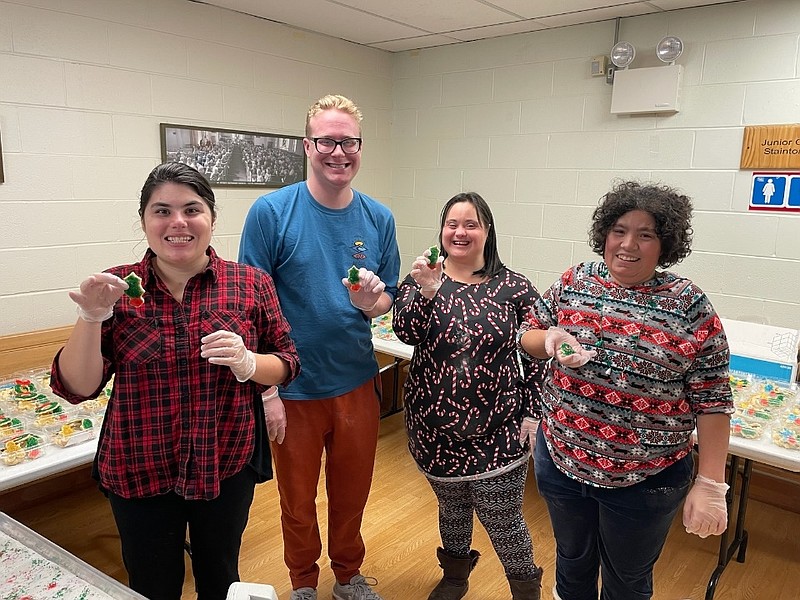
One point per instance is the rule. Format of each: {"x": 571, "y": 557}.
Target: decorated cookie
{"x": 746, "y": 428}
{"x": 21, "y": 447}
{"x": 778, "y": 395}
{"x": 28, "y": 405}
{"x": 762, "y": 413}
{"x": 135, "y": 290}
{"x": 74, "y": 432}
{"x": 10, "y": 426}
{"x": 353, "y": 279}
{"x": 433, "y": 256}
{"x": 95, "y": 405}
{"x": 738, "y": 383}
{"x": 7, "y": 391}
{"x": 41, "y": 379}
{"x": 766, "y": 399}
{"x": 785, "y": 438}
{"x": 49, "y": 412}
{"x": 792, "y": 421}
{"x": 24, "y": 389}
{"x": 382, "y": 327}
{"x": 740, "y": 387}
{"x": 566, "y": 350}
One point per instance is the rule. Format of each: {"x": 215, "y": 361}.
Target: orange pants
{"x": 346, "y": 427}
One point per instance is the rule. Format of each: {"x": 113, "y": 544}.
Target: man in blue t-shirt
{"x": 307, "y": 236}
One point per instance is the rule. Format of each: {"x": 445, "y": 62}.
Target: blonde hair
{"x": 333, "y": 101}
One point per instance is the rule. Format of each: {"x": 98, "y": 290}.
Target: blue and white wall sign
{"x": 775, "y": 192}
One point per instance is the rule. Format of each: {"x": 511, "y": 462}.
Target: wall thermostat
{"x": 599, "y": 66}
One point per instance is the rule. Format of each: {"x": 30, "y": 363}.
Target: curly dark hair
{"x": 671, "y": 210}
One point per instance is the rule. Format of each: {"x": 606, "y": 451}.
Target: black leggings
{"x": 153, "y": 531}
{"x": 498, "y": 503}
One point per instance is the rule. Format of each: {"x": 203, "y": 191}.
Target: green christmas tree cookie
{"x": 433, "y": 257}
{"x": 135, "y": 290}
{"x": 353, "y": 279}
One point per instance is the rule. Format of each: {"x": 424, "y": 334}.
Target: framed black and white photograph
{"x": 236, "y": 158}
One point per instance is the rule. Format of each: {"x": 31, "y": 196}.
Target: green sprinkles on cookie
{"x": 566, "y": 349}
{"x": 135, "y": 290}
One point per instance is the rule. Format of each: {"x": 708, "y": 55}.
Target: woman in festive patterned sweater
{"x": 640, "y": 359}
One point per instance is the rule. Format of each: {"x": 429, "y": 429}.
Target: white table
{"x": 393, "y": 347}
{"x": 745, "y": 452}
{"x": 55, "y": 460}
{"x": 401, "y": 353}
{"x": 45, "y": 571}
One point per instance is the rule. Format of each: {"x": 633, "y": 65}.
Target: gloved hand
{"x": 429, "y": 279}
{"x": 226, "y": 348}
{"x": 705, "y": 511}
{"x": 575, "y": 355}
{"x": 528, "y": 430}
{"x": 369, "y": 291}
{"x": 275, "y": 415}
{"x": 97, "y": 295}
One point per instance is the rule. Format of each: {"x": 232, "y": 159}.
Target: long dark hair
{"x": 492, "y": 264}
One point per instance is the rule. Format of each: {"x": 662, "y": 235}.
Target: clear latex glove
{"x": 97, "y": 295}
{"x": 573, "y": 354}
{"x": 227, "y": 348}
{"x": 528, "y": 430}
{"x": 369, "y": 291}
{"x": 429, "y": 277}
{"x": 705, "y": 511}
{"x": 275, "y": 415}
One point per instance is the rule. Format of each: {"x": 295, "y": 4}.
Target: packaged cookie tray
{"x": 23, "y": 447}
{"x": 29, "y": 394}
{"x": 23, "y": 440}
{"x": 782, "y": 430}
{"x": 766, "y": 410}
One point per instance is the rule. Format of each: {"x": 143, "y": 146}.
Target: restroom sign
{"x": 779, "y": 192}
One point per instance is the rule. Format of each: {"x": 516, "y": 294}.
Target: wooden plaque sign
{"x": 771, "y": 147}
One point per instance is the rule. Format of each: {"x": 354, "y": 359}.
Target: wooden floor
{"x": 401, "y": 536}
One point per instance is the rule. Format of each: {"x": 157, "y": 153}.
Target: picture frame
{"x": 232, "y": 158}
{"x": 2, "y": 177}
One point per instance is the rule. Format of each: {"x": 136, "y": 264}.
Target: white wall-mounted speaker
{"x": 647, "y": 90}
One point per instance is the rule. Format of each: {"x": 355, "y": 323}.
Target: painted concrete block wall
{"x": 520, "y": 120}
{"x": 83, "y": 88}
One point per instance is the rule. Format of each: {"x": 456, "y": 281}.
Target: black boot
{"x": 530, "y": 589}
{"x": 455, "y": 582}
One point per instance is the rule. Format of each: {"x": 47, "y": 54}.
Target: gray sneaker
{"x": 304, "y": 593}
{"x": 357, "y": 589}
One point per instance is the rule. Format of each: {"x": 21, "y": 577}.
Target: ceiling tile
{"x": 480, "y": 33}
{"x": 675, "y": 4}
{"x": 435, "y": 17}
{"x": 426, "y": 41}
{"x": 546, "y": 8}
{"x": 325, "y": 17}
{"x": 600, "y": 14}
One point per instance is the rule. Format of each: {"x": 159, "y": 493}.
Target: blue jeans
{"x": 616, "y": 532}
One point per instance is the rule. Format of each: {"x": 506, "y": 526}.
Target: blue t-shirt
{"x": 307, "y": 249}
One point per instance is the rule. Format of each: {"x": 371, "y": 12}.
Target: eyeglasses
{"x": 326, "y": 145}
